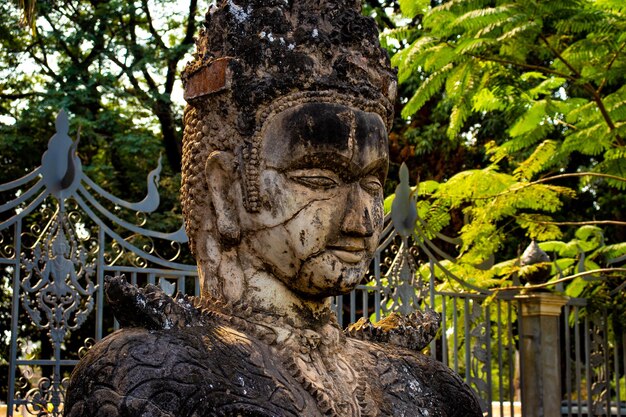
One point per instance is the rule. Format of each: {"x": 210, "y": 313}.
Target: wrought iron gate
{"x": 61, "y": 234}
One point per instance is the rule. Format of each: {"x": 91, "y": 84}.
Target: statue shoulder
{"x": 413, "y": 332}
{"x": 173, "y": 373}
{"x": 410, "y": 380}
{"x": 119, "y": 374}
{"x": 172, "y": 360}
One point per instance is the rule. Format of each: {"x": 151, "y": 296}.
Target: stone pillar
{"x": 540, "y": 354}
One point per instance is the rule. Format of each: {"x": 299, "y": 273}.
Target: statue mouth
{"x": 349, "y": 253}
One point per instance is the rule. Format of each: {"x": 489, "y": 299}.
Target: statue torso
{"x": 220, "y": 365}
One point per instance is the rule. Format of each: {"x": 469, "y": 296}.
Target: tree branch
{"x": 595, "y": 95}
{"x": 43, "y": 61}
{"x": 540, "y": 181}
{"x": 191, "y": 23}
{"x": 587, "y": 223}
{"x": 20, "y": 96}
{"x": 561, "y": 280}
{"x": 577, "y": 174}
{"x": 608, "y": 67}
{"x": 128, "y": 71}
{"x": 374, "y": 4}
{"x": 560, "y": 57}
{"x": 524, "y": 65}
{"x": 185, "y": 44}
{"x": 151, "y": 29}
{"x": 60, "y": 40}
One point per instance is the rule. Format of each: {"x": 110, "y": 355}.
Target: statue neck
{"x": 235, "y": 282}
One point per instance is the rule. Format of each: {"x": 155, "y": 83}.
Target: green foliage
{"x": 540, "y": 89}
{"x": 413, "y": 7}
{"x": 533, "y": 61}
{"x": 111, "y": 65}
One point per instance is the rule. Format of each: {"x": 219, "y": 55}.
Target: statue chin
{"x": 326, "y": 275}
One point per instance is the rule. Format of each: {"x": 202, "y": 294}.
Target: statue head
{"x": 285, "y": 149}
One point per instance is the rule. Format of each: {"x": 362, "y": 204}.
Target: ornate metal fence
{"x": 61, "y": 234}
{"x": 594, "y": 360}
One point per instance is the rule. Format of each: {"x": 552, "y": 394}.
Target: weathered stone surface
{"x": 285, "y": 154}
{"x": 193, "y": 359}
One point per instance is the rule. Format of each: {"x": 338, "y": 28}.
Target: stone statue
{"x": 285, "y": 154}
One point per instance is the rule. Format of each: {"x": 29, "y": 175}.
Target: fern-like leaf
{"x": 411, "y": 8}
{"x": 538, "y": 161}
{"x": 427, "y": 89}
{"x": 535, "y": 116}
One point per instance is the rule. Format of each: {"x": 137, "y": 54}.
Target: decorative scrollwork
{"x": 53, "y": 278}
{"x": 114, "y": 253}
{"x": 480, "y": 355}
{"x": 405, "y": 290}
{"x": 47, "y": 398}
{"x": 89, "y": 343}
{"x": 141, "y": 218}
{"x": 7, "y": 246}
{"x": 599, "y": 384}
{"x": 35, "y": 232}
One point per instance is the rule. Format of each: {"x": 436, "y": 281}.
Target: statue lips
{"x": 350, "y": 253}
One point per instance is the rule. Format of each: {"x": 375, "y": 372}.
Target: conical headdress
{"x": 265, "y": 49}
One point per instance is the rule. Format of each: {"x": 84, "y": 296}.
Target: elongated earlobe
{"x": 220, "y": 177}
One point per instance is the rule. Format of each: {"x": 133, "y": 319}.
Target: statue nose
{"x": 357, "y": 218}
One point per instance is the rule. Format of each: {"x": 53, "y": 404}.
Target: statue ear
{"x": 220, "y": 177}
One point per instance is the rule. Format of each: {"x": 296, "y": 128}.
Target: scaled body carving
{"x": 285, "y": 154}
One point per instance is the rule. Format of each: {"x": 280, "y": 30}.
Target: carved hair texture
{"x": 255, "y": 57}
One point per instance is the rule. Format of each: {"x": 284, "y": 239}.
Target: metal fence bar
{"x": 180, "y": 284}
{"x": 617, "y": 381}
{"x": 100, "y": 282}
{"x": 588, "y": 364}
{"x": 116, "y": 272}
{"x": 121, "y": 269}
{"x": 623, "y": 359}
{"x": 197, "y": 286}
{"x": 487, "y": 313}
{"x": 500, "y": 362}
{"x": 46, "y": 362}
{"x": 455, "y": 314}
{"x": 577, "y": 359}
{"x": 607, "y": 375}
{"x": 352, "y": 306}
{"x": 444, "y": 332}
{"x": 366, "y": 307}
{"x": 468, "y": 342}
{"x": 431, "y": 292}
{"x": 511, "y": 359}
{"x": 340, "y": 310}
{"x": 377, "y": 299}
{"x": 520, "y": 325}
{"x": 14, "y": 315}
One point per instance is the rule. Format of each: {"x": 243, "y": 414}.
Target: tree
{"x": 104, "y": 62}
{"x": 540, "y": 88}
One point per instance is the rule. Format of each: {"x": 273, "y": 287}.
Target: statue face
{"x": 321, "y": 197}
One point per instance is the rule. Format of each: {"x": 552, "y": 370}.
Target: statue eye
{"x": 371, "y": 184}
{"x": 316, "y": 181}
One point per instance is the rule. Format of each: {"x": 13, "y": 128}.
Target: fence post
{"x": 540, "y": 364}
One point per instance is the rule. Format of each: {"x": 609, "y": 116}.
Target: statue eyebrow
{"x": 347, "y": 169}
